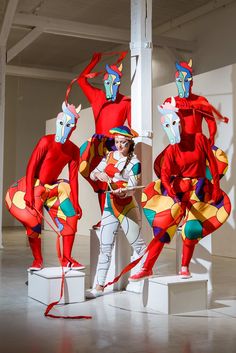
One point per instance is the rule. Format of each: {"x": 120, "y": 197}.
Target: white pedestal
{"x": 121, "y": 254}
{"x": 45, "y": 286}
{"x": 173, "y": 295}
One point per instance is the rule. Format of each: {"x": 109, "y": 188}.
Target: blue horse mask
{"x": 112, "y": 81}
{"x": 183, "y": 78}
{"x": 170, "y": 121}
{"x": 66, "y": 122}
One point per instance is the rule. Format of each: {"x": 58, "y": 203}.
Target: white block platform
{"x": 121, "y": 255}
{"x": 45, "y": 285}
{"x": 173, "y": 295}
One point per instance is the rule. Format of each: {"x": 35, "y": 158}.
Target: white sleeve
{"x": 100, "y": 168}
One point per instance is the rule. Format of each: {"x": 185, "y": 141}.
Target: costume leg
{"x": 35, "y": 245}
{"x": 188, "y": 249}
{"x": 109, "y": 225}
{"x": 131, "y": 226}
{"x": 153, "y": 255}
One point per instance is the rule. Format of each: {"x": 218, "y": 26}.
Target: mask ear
{"x": 78, "y": 109}
{"x": 173, "y": 102}
{"x": 63, "y": 106}
{"x": 120, "y": 68}
{"x": 190, "y": 63}
{"x": 161, "y": 110}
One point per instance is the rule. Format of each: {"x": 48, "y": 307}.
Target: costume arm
{"x": 166, "y": 173}
{"x": 129, "y": 112}
{"x": 33, "y": 167}
{"x": 99, "y": 169}
{"x": 134, "y": 175}
{"x": 213, "y": 168}
{"x": 73, "y": 179}
{"x": 86, "y": 87}
{"x": 210, "y": 119}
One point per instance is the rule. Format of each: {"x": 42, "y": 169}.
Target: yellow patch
{"x": 171, "y": 231}
{"x": 144, "y": 197}
{"x": 159, "y": 203}
{"x": 221, "y": 156}
{"x": 157, "y": 186}
{"x": 60, "y": 214}
{"x": 18, "y": 200}
{"x": 83, "y": 168}
{"x": 222, "y": 215}
{"x": 175, "y": 210}
{"x": 50, "y": 202}
{"x": 202, "y": 211}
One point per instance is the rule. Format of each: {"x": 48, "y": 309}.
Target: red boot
{"x": 68, "y": 261}
{"x": 152, "y": 256}
{"x": 35, "y": 245}
{"x": 187, "y": 254}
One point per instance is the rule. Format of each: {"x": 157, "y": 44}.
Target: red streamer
{"x": 122, "y": 55}
{"x": 51, "y": 305}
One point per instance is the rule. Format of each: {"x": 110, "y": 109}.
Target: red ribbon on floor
{"x": 122, "y": 55}
{"x": 51, "y": 305}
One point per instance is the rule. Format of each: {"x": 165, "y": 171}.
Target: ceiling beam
{"x": 89, "y": 31}
{"x": 7, "y": 21}
{"x": 29, "y": 72}
{"x": 23, "y": 43}
{"x": 191, "y": 15}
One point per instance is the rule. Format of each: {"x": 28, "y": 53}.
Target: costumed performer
{"x": 110, "y": 109}
{"x": 120, "y": 170}
{"x": 192, "y": 109}
{"x": 40, "y": 188}
{"x": 183, "y": 192}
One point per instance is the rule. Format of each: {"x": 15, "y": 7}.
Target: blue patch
{"x": 59, "y": 225}
{"x": 136, "y": 169}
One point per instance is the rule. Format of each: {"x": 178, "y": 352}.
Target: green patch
{"x": 136, "y": 169}
{"x": 193, "y": 229}
{"x": 83, "y": 147}
{"x": 67, "y": 208}
{"x": 149, "y": 214}
{"x": 108, "y": 208}
{"x": 208, "y": 174}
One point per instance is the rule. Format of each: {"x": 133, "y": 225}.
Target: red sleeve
{"x": 89, "y": 91}
{"x": 73, "y": 177}
{"x": 34, "y": 164}
{"x": 166, "y": 171}
{"x": 210, "y": 119}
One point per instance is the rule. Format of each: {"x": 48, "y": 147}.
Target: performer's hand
{"x": 120, "y": 193}
{"x": 29, "y": 200}
{"x": 78, "y": 211}
{"x": 102, "y": 176}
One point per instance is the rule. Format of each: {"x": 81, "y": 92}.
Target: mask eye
{"x": 68, "y": 125}
{"x": 61, "y": 123}
{"x": 174, "y": 122}
{"x": 167, "y": 125}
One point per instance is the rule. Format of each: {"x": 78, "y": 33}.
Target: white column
{"x": 141, "y": 97}
{"x": 2, "y": 117}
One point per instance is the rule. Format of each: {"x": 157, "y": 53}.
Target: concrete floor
{"x": 120, "y": 323}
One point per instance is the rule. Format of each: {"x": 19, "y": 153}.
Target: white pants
{"x": 109, "y": 225}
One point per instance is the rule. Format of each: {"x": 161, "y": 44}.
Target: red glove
{"x": 29, "y": 200}
{"x": 211, "y": 140}
{"x": 78, "y": 211}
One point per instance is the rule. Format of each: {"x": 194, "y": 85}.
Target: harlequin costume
{"x": 192, "y": 109}
{"x": 41, "y": 188}
{"x": 110, "y": 109}
{"x": 118, "y": 211}
{"x": 183, "y": 193}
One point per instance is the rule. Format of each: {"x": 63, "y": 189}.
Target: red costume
{"x": 107, "y": 115}
{"x": 41, "y": 187}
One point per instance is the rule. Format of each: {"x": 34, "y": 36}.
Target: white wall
{"x": 219, "y": 87}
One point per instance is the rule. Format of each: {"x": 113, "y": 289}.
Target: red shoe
{"x": 141, "y": 275}
{"x": 184, "y": 273}
{"x": 72, "y": 264}
{"x": 37, "y": 265}
{"x": 97, "y": 226}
